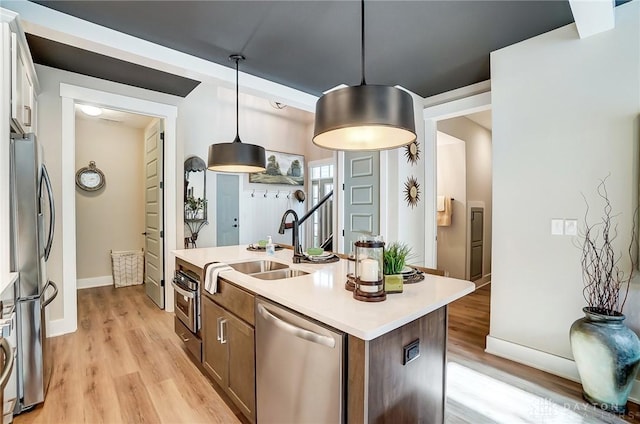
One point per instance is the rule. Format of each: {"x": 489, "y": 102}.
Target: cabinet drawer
{"x": 235, "y": 300}
{"x": 191, "y": 342}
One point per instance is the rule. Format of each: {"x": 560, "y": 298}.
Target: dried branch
{"x": 603, "y": 279}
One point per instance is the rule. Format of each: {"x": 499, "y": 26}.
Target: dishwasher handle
{"x": 296, "y": 331}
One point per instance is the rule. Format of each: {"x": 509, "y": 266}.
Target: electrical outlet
{"x": 571, "y": 227}
{"x": 410, "y": 351}
{"x": 557, "y": 227}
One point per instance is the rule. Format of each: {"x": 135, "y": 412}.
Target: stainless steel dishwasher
{"x": 299, "y": 368}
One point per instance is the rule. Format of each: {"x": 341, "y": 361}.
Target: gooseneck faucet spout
{"x": 297, "y": 248}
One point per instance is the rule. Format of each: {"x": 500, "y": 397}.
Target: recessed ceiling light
{"x": 91, "y": 110}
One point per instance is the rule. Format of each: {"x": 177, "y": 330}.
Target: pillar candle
{"x": 369, "y": 270}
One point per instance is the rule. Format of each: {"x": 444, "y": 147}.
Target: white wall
{"x": 398, "y": 220}
{"x": 452, "y": 182}
{"x": 565, "y": 115}
{"x": 479, "y": 177}
{"x": 208, "y": 115}
{"x": 113, "y": 217}
{"x": 50, "y": 136}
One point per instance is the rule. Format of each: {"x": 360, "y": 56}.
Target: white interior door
{"x": 227, "y": 210}
{"x": 361, "y": 196}
{"x": 153, "y": 245}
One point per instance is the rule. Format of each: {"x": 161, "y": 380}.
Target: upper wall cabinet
{"x": 24, "y": 84}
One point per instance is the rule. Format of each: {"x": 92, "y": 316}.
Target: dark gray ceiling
{"x": 62, "y": 56}
{"x": 428, "y": 47}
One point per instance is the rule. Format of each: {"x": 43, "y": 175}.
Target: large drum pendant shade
{"x": 364, "y": 117}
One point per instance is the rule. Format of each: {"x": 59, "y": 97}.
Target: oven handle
{"x": 185, "y": 293}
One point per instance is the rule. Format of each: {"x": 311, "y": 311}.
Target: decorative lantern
{"x": 350, "y": 284}
{"x": 369, "y": 270}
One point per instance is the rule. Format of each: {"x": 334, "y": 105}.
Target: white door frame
{"x": 71, "y": 94}
{"x": 466, "y": 100}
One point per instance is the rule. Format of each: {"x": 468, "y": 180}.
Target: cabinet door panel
{"x": 215, "y": 357}
{"x": 242, "y": 365}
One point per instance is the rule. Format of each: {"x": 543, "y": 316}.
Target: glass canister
{"x": 369, "y": 260}
{"x": 350, "y": 284}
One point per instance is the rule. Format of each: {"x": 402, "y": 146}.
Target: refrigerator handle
{"x": 55, "y": 293}
{"x": 52, "y": 210}
{"x": 8, "y": 362}
{"x": 295, "y": 330}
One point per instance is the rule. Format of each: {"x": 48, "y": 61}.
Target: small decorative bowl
{"x": 315, "y": 251}
{"x": 262, "y": 243}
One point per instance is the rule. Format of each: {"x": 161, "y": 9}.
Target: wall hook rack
{"x": 278, "y": 194}
{"x": 265, "y": 193}
{"x": 253, "y": 193}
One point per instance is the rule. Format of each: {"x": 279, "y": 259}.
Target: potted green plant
{"x": 194, "y": 208}
{"x": 395, "y": 257}
{"x": 606, "y": 352}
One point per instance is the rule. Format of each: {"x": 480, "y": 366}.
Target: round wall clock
{"x": 412, "y": 152}
{"x": 90, "y": 178}
{"x": 412, "y": 191}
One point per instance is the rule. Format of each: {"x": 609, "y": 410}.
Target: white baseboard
{"x": 87, "y": 283}
{"x": 58, "y": 327}
{"x": 544, "y": 361}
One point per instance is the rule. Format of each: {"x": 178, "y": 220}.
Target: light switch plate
{"x": 557, "y": 227}
{"x": 571, "y": 227}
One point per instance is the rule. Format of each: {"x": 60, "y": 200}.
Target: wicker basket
{"x": 127, "y": 267}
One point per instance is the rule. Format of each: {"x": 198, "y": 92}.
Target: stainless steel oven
{"x": 187, "y": 299}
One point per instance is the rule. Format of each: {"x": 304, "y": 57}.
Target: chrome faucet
{"x": 297, "y": 249}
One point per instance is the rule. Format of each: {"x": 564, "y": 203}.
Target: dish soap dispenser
{"x": 271, "y": 248}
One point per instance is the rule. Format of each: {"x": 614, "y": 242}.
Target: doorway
{"x": 71, "y": 94}
{"x": 464, "y": 182}
{"x": 116, "y": 219}
{"x": 227, "y": 210}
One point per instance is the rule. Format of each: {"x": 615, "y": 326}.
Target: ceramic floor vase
{"x": 607, "y": 354}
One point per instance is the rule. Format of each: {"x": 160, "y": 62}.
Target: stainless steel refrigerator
{"x": 32, "y": 225}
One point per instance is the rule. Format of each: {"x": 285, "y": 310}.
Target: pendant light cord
{"x": 362, "y": 82}
{"x": 237, "y": 103}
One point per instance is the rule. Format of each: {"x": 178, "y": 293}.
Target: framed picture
{"x": 282, "y": 168}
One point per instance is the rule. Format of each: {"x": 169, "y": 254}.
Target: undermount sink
{"x": 280, "y": 274}
{"x": 255, "y": 267}
{"x": 267, "y": 270}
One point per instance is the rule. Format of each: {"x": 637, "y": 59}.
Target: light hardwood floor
{"x": 468, "y": 328}
{"x": 126, "y": 365}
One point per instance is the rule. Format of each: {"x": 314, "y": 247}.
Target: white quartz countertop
{"x": 321, "y": 294}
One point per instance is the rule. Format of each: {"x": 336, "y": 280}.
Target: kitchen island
{"x": 395, "y": 350}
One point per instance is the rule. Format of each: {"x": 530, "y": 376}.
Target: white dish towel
{"x": 211, "y": 279}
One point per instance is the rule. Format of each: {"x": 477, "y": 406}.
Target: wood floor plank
{"x": 136, "y": 406}
{"x": 99, "y": 391}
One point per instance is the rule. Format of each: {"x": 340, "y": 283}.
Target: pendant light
{"x": 236, "y": 156}
{"x": 364, "y": 117}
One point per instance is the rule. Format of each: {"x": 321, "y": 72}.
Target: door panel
{"x": 227, "y": 210}
{"x": 477, "y": 241}
{"x": 242, "y": 377}
{"x": 361, "y": 195}
{"x": 154, "y": 244}
{"x": 215, "y": 354}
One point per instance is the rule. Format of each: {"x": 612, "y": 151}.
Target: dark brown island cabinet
{"x": 398, "y": 377}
